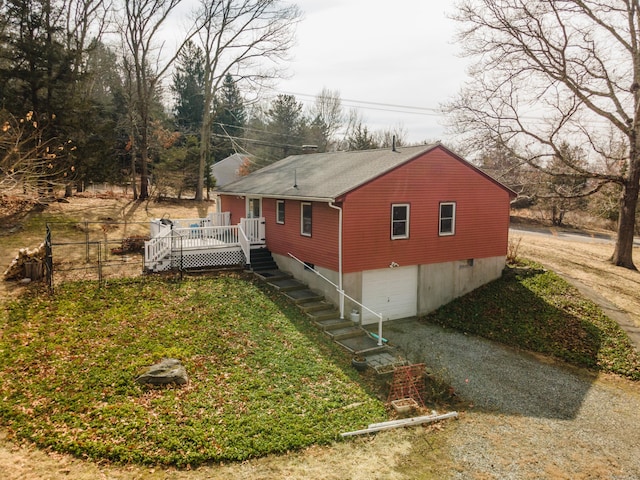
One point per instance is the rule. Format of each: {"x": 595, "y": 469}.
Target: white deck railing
{"x": 253, "y": 229}
{"x": 192, "y": 234}
{"x": 195, "y": 237}
{"x": 212, "y": 220}
{"x": 157, "y": 248}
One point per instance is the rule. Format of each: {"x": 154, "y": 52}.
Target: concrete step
{"x": 361, "y": 345}
{"x": 303, "y": 296}
{"x": 287, "y": 284}
{"x": 314, "y": 306}
{"x": 345, "y": 333}
{"x": 326, "y": 314}
{"x": 333, "y": 324}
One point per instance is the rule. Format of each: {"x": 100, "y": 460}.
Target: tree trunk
{"x": 133, "y": 172}
{"x": 623, "y": 253}
{"x": 205, "y": 143}
{"x": 144, "y": 161}
{"x": 144, "y": 176}
{"x": 204, "y": 153}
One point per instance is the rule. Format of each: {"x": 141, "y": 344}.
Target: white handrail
{"x": 245, "y": 245}
{"x": 341, "y": 292}
{"x": 157, "y": 248}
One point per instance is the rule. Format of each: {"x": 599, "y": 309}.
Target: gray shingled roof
{"x": 226, "y": 170}
{"x": 322, "y": 176}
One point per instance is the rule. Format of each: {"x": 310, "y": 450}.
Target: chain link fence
{"x": 93, "y": 251}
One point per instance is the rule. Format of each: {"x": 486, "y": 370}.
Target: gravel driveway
{"x": 531, "y": 417}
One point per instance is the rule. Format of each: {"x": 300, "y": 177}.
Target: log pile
{"x": 29, "y": 263}
{"x": 134, "y": 244}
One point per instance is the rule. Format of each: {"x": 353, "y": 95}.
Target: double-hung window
{"x": 305, "y": 219}
{"x": 280, "y": 211}
{"x": 447, "y": 219}
{"x": 399, "y": 221}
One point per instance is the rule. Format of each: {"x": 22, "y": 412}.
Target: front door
{"x": 254, "y": 207}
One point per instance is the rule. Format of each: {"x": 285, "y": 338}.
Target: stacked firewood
{"x": 29, "y": 263}
{"x": 134, "y": 244}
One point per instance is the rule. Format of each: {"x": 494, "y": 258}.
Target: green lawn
{"x": 262, "y": 380}
{"x": 536, "y": 310}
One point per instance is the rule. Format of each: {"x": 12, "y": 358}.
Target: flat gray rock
{"x": 169, "y": 370}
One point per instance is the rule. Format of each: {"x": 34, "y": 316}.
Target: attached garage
{"x": 392, "y": 292}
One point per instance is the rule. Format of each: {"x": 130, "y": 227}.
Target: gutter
{"x": 340, "y": 287}
{"x": 278, "y": 197}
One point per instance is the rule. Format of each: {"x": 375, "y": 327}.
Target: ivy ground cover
{"x": 262, "y": 380}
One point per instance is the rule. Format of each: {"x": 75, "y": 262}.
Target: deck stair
{"x": 350, "y": 335}
{"x": 262, "y": 260}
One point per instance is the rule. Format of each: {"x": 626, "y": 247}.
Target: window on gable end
{"x": 399, "y": 221}
{"x": 447, "y": 219}
{"x": 280, "y": 211}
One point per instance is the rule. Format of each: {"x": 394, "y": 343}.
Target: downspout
{"x": 340, "y": 286}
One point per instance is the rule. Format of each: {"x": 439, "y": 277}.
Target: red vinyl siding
{"x": 320, "y": 249}
{"x": 481, "y": 223}
{"x": 482, "y": 215}
{"x": 234, "y": 204}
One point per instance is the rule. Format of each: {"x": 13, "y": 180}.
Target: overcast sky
{"x": 387, "y": 53}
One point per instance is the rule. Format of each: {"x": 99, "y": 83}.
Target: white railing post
{"x": 245, "y": 245}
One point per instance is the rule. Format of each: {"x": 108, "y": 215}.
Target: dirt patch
{"x": 83, "y": 228}
{"x": 13, "y": 209}
{"x": 586, "y": 260}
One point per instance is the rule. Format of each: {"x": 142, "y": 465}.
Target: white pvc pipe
{"x": 400, "y": 423}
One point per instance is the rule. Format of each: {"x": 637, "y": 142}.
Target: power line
{"x": 387, "y": 107}
{"x": 415, "y": 110}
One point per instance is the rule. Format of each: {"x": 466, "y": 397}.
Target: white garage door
{"x": 393, "y": 292}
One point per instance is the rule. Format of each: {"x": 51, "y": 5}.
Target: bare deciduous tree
{"x": 553, "y": 72}
{"x": 327, "y": 110}
{"x": 28, "y": 157}
{"x": 245, "y": 38}
{"x": 85, "y": 24}
{"x": 141, "y": 31}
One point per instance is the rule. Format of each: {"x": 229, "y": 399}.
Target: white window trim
{"x": 278, "y": 221}
{"x": 302, "y": 232}
{"x": 248, "y": 209}
{"x": 406, "y": 234}
{"x": 453, "y": 220}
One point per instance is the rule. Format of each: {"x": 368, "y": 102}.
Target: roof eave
{"x": 301, "y": 198}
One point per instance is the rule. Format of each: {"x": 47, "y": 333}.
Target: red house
{"x": 402, "y": 231}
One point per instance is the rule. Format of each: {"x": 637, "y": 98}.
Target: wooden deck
{"x": 201, "y": 244}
